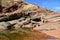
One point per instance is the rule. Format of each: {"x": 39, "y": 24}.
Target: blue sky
{"x": 49, "y": 4}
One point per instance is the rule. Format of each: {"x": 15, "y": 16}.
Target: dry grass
{"x": 21, "y": 34}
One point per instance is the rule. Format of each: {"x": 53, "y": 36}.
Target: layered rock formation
{"x": 19, "y": 14}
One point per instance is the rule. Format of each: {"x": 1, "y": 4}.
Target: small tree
{"x": 0, "y": 6}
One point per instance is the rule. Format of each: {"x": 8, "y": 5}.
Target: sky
{"x": 49, "y": 4}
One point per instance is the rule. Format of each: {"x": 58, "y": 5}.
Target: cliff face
{"x": 22, "y": 13}
{"x": 19, "y": 13}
